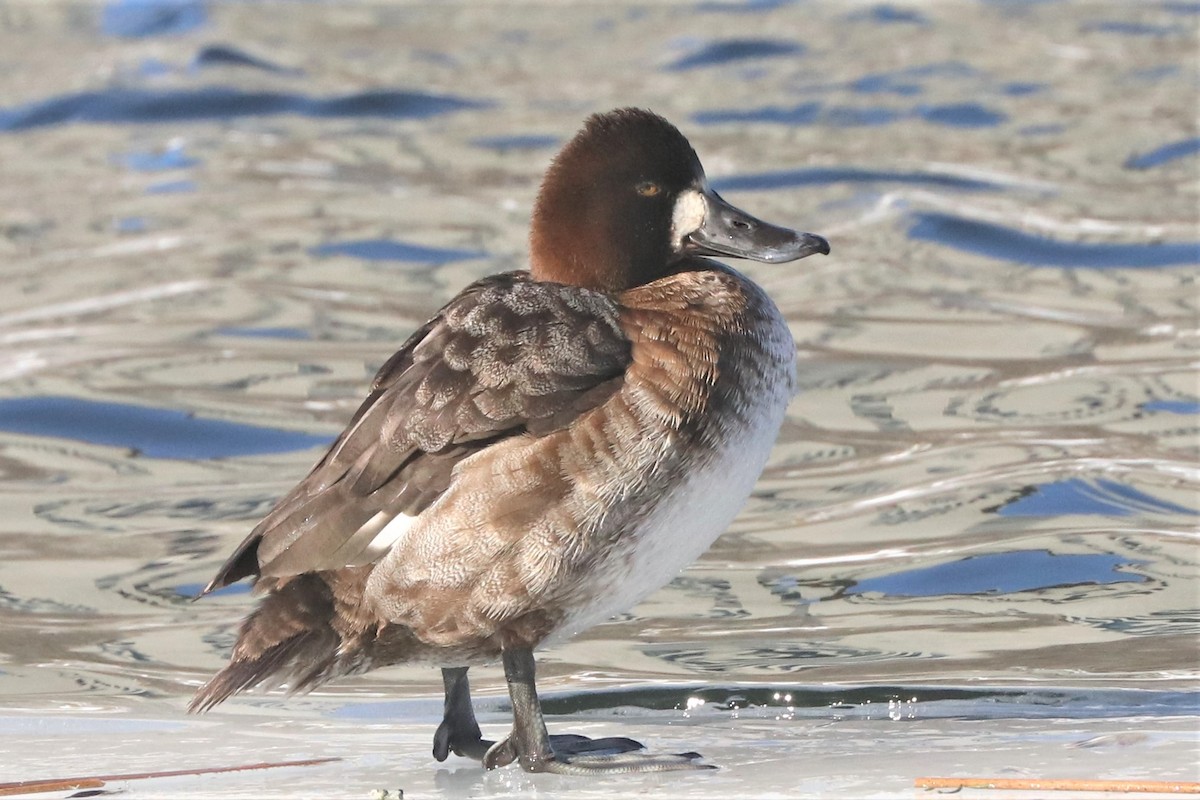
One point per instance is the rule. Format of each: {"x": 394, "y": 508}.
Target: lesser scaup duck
{"x": 546, "y": 451}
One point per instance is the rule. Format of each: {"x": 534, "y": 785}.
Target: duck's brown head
{"x": 626, "y": 202}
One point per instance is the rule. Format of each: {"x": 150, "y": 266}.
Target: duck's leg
{"x": 459, "y": 732}
{"x": 537, "y": 751}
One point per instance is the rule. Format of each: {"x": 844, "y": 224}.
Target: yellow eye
{"x": 648, "y": 188}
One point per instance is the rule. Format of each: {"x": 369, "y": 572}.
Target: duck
{"x": 552, "y": 446}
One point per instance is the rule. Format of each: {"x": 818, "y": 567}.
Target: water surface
{"x": 974, "y": 546}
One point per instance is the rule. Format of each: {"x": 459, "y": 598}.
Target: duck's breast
{"x": 712, "y": 374}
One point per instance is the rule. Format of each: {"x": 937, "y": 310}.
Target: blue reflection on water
{"x": 214, "y": 102}
{"x": 1079, "y": 496}
{"x": 171, "y": 187}
{"x": 820, "y": 176}
{"x": 1021, "y": 88}
{"x": 138, "y": 19}
{"x": 1042, "y": 130}
{"x": 224, "y": 55}
{"x": 1161, "y": 155}
{"x": 803, "y": 114}
{"x": 153, "y": 68}
{"x": 1003, "y": 573}
{"x": 729, "y": 50}
{"x": 996, "y": 241}
{"x": 888, "y": 14}
{"x": 153, "y": 432}
{"x": 194, "y": 589}
{"x": 885, "y": 83}
{"x": 1155, "y": 74}
{"x": 389, "y": 250}
{"x": 745, "y": 6}
{"x": 1173, "y": 406}
{"x": 150, "y": 161}
{"x": 131, "y": 225}
{"x": 962, "y": 115}
{"x": 957, "y": 115}
{"x": 516, "y": 142}
{"x": 910, "y": 80}
{"x": 1134, "y": 28}
{"x": 264, "y": 333}
{"x": 856, "y": 117}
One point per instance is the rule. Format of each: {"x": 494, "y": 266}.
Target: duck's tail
{"x": 289, "y": 639}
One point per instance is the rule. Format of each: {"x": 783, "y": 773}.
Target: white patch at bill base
{"x": 687, "y": 216}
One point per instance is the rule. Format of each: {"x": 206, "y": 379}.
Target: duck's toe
{"x": 572, "y": 744}
{"x": 466, "y": 743}
{"x": 579, "y": 755}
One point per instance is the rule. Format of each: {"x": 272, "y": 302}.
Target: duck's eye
{"x": 648, "y": 188}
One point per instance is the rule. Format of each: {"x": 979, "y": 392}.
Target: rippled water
{"x": 216, "y": 220}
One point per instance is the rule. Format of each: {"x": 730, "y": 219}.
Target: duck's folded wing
{"x": 506, "y": 357}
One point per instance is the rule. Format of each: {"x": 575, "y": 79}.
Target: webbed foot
{"x": 529, "y": 744}
{"x": 571, "y": 754}
{"x": 459, "y": 732}
{"x": 451, "y": 739}
{"x": 536, "y": 751}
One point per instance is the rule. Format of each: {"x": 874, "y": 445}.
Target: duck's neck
{"x": 569, "y": 245}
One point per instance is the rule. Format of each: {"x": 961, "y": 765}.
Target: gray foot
{"x": 451, "y": 739}
{"x": 536, "y": 751}
{"x": 459, "y": 732}
{"x": 529, "y": 744}
{"x": 572, "y": 744}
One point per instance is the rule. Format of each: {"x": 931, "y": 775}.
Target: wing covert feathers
{"x": 507, "y": 357}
